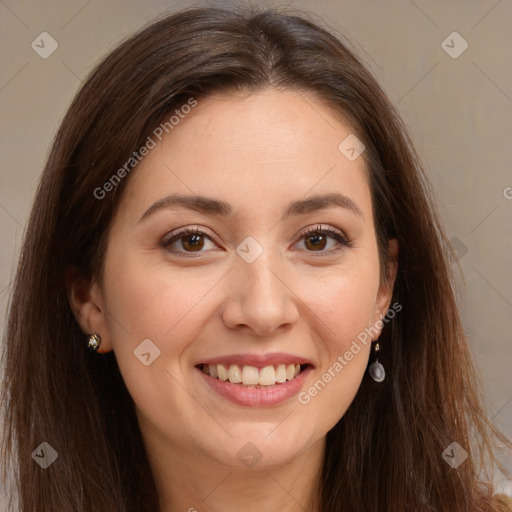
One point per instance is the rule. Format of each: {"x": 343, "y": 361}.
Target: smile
{"x": 252, "y": 376}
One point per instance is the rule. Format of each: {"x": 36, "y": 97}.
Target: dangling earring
{"x": 376, "y": 370}
{"x": 93, "y": 342}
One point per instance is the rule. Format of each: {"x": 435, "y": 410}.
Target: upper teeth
{"x": 251, "y": 375}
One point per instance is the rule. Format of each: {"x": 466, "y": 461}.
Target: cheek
{"x": 146, "y": 301}
{"x": 344, "y": 301}
{"x": 169, "y": 308}
{"x": 347, "y": 310}
{"x": 344, "y": 306}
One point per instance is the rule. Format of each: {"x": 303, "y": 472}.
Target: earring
{"x": 376, "y": 370}
{"x": 93, "y": 342}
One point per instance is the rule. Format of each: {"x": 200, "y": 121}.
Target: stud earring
{"x": 93, "y": 342}
{"x": 376, "y": 370}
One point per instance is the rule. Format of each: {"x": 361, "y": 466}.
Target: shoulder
{"x": 502, "y": 503}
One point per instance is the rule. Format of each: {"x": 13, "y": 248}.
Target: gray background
{"x": 458, "y": 109}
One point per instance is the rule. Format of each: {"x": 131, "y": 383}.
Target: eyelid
{"x": 320, "y": 228}
{"x": 343, "y": 241}
{"x": 187, "y": 230}
{"x": 179, "y": 233}
{"x": 339, "y": 236}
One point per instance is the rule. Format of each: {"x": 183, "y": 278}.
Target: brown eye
{"x": 188, "y": 240}
{"x": 192, "y": 242}
{"x": 317, "y": 240}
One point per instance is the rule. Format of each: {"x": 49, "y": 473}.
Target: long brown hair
{"x": 388, "y": 446}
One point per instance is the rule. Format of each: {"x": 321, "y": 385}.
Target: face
{"x": 276, "y": 279}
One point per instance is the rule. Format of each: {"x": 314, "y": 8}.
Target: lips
{"x": 257, "y": 360}
{"x": 255, "y": 379}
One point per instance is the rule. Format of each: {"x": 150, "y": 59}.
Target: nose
{"x": 260, "y": 297}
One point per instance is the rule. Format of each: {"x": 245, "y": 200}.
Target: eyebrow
{"x": 207, "y": 205}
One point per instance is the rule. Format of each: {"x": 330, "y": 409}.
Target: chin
{"x": 258, "y": 447}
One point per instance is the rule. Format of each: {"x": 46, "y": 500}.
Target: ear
{"x": 385, "y": 291}
{"x": 87, "y": 303}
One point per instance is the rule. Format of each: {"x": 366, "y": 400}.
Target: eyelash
{"x": 344, "y": 242}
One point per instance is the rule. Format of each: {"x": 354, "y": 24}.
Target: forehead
{"x": 268, "y": 146}
{"x": 284, "y": 124}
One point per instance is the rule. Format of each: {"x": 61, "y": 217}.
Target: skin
{"x": 258, "y": 152}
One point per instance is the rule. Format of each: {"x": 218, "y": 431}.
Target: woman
{"x": 233, "y": 220}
